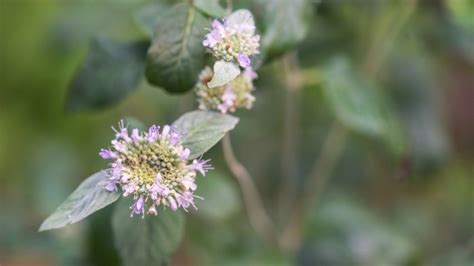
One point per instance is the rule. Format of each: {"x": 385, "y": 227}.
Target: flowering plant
{"x": 153, "y": 173}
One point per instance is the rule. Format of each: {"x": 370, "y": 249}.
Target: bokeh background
{"x": 377, "y": 209}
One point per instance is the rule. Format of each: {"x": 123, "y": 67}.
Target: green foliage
{"x": 221, "y": 198}
{"x": 210, "y": 7}
{"x": 110, "y": 72}
{"x": 360, "y": 106}
{"x": 203, "y": 129}
{"x": 88, "y": 198}
{"x": 146, "y": 241}
{"x": 286, "y": 25}
{"x": 176, "y": 55}
{"x": 224, "y": 72}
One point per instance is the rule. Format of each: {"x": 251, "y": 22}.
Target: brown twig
{"x": 314, "y": 186}
{"x": 258, "y": 216}
{"x": 288, "y": 185}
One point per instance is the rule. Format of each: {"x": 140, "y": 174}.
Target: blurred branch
{"x": 315, "y": 185}
{"x": 229, "y": 7}
{"x": 288, "y": 185}
{"x": 258, "y": 216}
{"x": 385, "y": 35}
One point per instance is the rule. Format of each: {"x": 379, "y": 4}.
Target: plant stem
{"x": 314, "y": 186}
{"x": 289, "y": 182}
{"x": 258, "y": 216}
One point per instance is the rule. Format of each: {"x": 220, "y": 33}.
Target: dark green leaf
{"x": 203, "y": 129}
{"x": 146, "y": 241}
{"x": 146, "y": 16}
{"x": 286, "y": 25}
{"x": 210, "y": 7}
{"x": 360, "y": 106}
{"x": 176, "y": 55}
{"x": 88, "y": 198}
{"x": 110, "y": 71}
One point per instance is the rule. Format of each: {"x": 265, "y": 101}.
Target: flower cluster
{"x": 153, "y": 168}
{"x": 233, "y": 41}
{"x": 226, "y": 98}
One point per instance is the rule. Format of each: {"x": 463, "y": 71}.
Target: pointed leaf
{"x": 110, "y": 72}
{"x": 88, "y": 198}
{"x": 360, "y": 106}
{"x": 286, "y": 25}
{"x": 203, "y": 129}
{"x": 210, "y": 7}
{"x": 176, "y": 55}
{"x": 224, "y": 72}
{"x": 147, "y": 241}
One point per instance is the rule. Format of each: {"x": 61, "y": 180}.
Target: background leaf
{"x": 224, "y": 72}
{"x": 221, "y": 197}
{"x": 360, "y": 106}
{"x": 176, "y": 55}
{"x": 210, "y": 7}
{"x": 203, "y": 129}
{"x": 286, "y": 25}
{"x": 110, "y": 71}
{"x": 88, "y": 198}
{"x": 146, "y": 16}
{"x": 147, "y": 241}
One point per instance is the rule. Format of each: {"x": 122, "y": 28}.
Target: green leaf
{"x": 88, "y": 198}
{"x": 203, "y": 129}
{"x": 220, "y": 194}
{"x": 111, "y": 70}
{"x": 210, "y": 7}
{"x": 146, "y": 241}
{"x": 224, "y": 72}
{"x": 360, "y": 106}
{"x": 133, "y": 122}
{"x": 176, "y": 55}
{"x": 286, "y": 25}
{"x": 146, "y": 16}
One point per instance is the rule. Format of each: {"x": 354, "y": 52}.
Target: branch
{"x": 288, "y": 184}
{"x": 258, "y": 217}
{"x": 315, "y": 185}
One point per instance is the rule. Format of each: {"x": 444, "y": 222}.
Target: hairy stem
{"x": 258, "y": 216}
{"x": 289, "y": 183}
{"x": 314, "y": 186}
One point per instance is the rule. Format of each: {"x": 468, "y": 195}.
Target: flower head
{"x": 153, "y": 168}
{"x": 233, "y": 38}
{"x": 227, "y": 98}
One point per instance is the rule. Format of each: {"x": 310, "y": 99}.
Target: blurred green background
{"x": 378, "y": 209}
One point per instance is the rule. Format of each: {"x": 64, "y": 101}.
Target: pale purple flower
{"x": 152, "y": 210}
{"x": 107, "y": 154}
{"x": 244, "y": 60}
{"x": 111, "y": 185}
{"x": 153, "y": 168}
{"x": 201, "y": 166}
{"x": 250, "y": 73}
{"x": 185, "y": 200}
{"x": 185, "y": 154}
{"x": 138, "y": 207}
{"x": 175, "y": 137}
{"x": 233, "y": 38}
{"x": 136, "y": 135}
{"x": 119, "y": 145}
{"x": 173, "y": 204}
{"x": 165, "y": 131}
{"x": 153, "y": 133}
